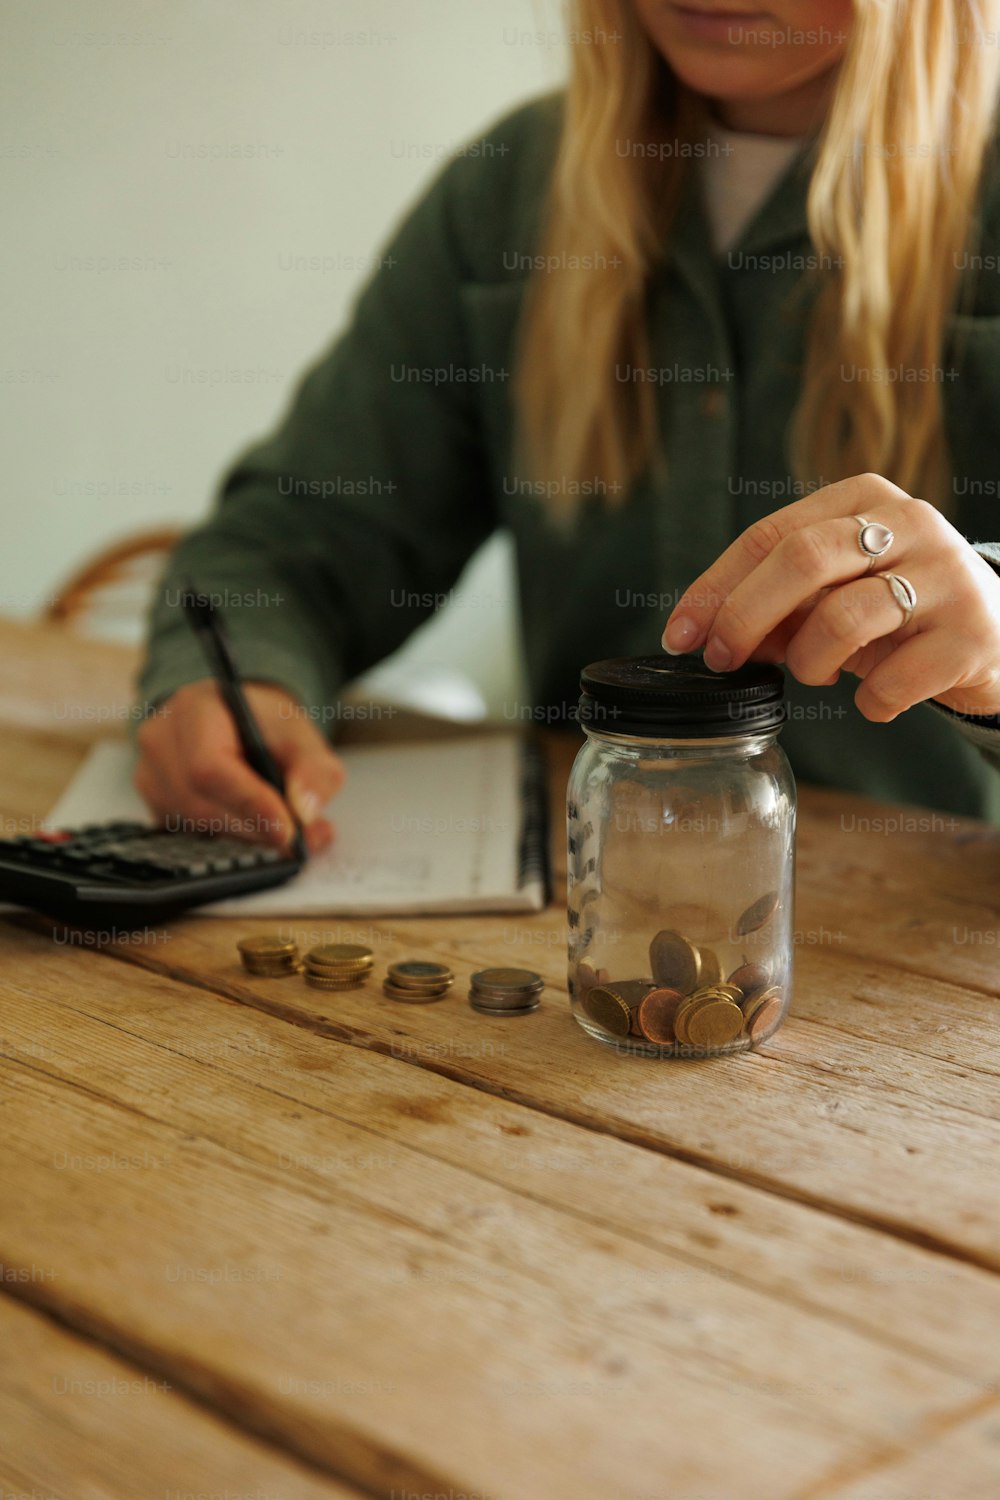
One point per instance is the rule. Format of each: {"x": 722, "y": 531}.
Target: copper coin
{"x": 325, "y": 982}
{"x": 507, "y": 1008}
{"x": 756, "y": 1003}
{"x": 586, "y": 976}
{"x": 749, "y": 978}
{"x": 608, "y": 1010}
{"x": 759, "y": 912}
{"x": 766, "y": 1017}
{"x": 336, "y": 971}
{"x": 676, "y": 963}
{"x": 630, "y": 990}
{"x": 656, "y": 1014}
{"x": 268, "y": 947}
{"x": 714, "y": 1024}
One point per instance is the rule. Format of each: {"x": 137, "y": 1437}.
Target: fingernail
{"x": 680, "y": 634}
{"x": 718, "y": 656}
{"x": 305, "y": 803}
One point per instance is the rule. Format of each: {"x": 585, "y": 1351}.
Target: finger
{"x": 249, "y": 808}
{"x": 319, "y": 836}
{"x": 313, "y": 776}
{"x": 843, "y": 622}
{"x": 922, "y": 667}
{"x": 808, "y": 560}
{"x": 688, "y": 625}
{"x": 175, "y": 808}
{"x": 206, "y": 761}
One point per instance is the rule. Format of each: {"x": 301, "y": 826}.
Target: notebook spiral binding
{"x": 534, "y": 863}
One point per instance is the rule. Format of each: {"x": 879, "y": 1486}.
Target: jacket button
{"x": 713, "y": 402}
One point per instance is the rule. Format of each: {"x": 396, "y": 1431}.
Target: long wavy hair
{"x": 890, "y": 208}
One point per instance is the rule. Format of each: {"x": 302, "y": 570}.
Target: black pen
{"x": 206, "y": 622}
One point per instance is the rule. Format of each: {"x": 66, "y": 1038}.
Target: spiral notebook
{"x": 455, "y": 825}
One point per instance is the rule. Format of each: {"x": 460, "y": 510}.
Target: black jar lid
{"x": 668, "y": 696}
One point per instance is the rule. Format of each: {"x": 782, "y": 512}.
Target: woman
{"x": 699, "y": 333}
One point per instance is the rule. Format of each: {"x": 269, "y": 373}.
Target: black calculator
{"x": 127, "y": 875}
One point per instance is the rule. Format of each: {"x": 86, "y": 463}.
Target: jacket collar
{"x": 779, "y": 221}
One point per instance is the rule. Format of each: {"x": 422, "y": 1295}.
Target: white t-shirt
{"x": 738, "y": 173}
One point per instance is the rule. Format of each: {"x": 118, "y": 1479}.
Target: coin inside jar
{"x": 762, "y": 1012}
{"x": 729, "y": 991}
{"x": 749, "y": 978}
{"x": 711, "y": 969}
{"x": 587, "y": 976}
{"x": 630, "y": 990}
{"x": 608, "y": 1010}
{"x": 676, "y": 963}
{"x": 766, "y": 1018}
{"x": 759, "y": 912}
{"x": 656, "y": 1013}
{"x": 714, "y": 1024}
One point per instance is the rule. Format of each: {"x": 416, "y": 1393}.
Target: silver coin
{"x": 517, "y": 980}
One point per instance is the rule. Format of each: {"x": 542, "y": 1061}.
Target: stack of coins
{"x": 505, "y": 992}
{"x": 710, "y": 1018}
{"x": 760, "y": 1001}
{"x": 417, "y": 981}
{"x": 685, "y": 1003}
{"x": 271, "y": 956}
{"x": 338, "y": 966}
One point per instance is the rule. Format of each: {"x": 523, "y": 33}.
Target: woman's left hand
{"x": 795, "y": 588}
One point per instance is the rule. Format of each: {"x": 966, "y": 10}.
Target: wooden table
{"x": 261, "y": 1242}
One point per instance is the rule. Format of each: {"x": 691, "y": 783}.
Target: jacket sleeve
{"x": 334, "y": 538}
{"x": 979, "y": 730}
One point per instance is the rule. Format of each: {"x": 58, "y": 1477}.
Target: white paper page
{"x": 419, "y": 828}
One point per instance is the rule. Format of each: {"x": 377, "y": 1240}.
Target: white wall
{"x": 107, "y": 426}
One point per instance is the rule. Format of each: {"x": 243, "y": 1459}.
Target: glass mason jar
{"x": 681, "y": 836}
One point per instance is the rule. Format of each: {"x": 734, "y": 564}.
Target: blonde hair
{"x": 890, "y": 206}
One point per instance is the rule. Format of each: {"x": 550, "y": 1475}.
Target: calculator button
{"x": 43, "y": 851}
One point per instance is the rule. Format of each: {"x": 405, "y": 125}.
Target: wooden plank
{"x": 904, "y": 1295}
{"x": 468, "y": 1297}
{"x": 32, "y": 769}
{"x": 78, "y": 1424}
{"x": 963, "y": 1463}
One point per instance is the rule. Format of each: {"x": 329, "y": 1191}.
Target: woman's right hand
{"x": 194, "y": 777}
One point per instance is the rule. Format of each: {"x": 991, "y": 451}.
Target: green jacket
{"x": 334, "y": 538}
